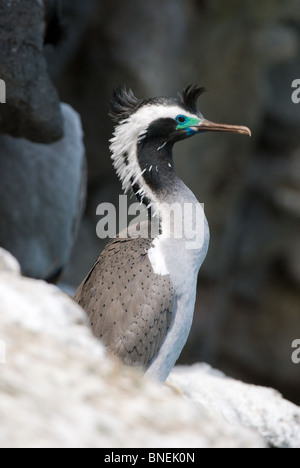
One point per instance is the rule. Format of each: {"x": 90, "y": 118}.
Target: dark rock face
{"x": 32, "y": 109}
{"x": 42, "y": 198}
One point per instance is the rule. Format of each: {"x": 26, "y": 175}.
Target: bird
{"x": 140, "y": 294}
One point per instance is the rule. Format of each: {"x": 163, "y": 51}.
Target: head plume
{"x": 123, "y": 104}
{"x": 189, "y": 97}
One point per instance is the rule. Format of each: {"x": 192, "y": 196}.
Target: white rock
{"x": 59, "y": 389}
{"x": 259, "y": 408}
{"x": 8, "y": 262}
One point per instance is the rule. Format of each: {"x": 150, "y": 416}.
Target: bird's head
{"x": 146, "y": 131}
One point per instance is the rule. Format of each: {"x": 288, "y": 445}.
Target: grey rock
{"x": 66, "y": 22}
{"x": 42, "y": 198}
{"x": 59, "y": 389}
{"x": 32, "y": 106}
{"x": 259, "y": 408}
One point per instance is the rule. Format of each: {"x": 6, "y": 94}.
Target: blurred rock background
{"x": 247, "y": 54}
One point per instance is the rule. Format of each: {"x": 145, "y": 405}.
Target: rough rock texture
{"x": 42, "y": 195}
{"x": 259, "y": 408}
{"x": 32, "y": 108}
{"x": 58, "y": 389}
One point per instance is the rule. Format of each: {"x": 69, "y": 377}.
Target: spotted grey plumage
{"x": 129, "y": 306}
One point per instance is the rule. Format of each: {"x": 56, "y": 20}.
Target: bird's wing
{"x": 129, "y": 306}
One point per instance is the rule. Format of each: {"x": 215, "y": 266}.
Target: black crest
{"x": 123, "y": 104}
{"x": 189, "y": 97}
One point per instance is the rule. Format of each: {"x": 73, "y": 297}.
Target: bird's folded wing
{"x": 129, "y": 306}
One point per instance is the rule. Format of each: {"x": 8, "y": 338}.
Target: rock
{"x": 259, "y": 408}
{"x": 66, "y": 22}
{"x": 32, "y": 108}
{"x": 42, "y": 198}
{"x": 8, "y": 262}
{"x": 59, "y": 389}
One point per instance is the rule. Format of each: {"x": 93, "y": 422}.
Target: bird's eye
{"x": 180, "y": 119}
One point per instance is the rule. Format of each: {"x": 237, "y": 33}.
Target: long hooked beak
{"x": 207, "y": 126}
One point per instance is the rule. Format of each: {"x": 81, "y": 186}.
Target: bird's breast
{"x": 181, "y": 248}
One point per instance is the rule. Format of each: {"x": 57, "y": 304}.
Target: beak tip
{"x": 248, "y": 131}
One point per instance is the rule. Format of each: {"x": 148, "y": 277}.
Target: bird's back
{"x": 129, "y": 306}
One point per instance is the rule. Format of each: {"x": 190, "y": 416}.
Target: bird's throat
{"x": 171, "y": 204}
{"x": 155, "y": 158}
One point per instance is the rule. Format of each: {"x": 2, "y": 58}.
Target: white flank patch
{"x": 157, "y": 260}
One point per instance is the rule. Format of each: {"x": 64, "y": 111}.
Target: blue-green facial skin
{"x": 187, "y": 124}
